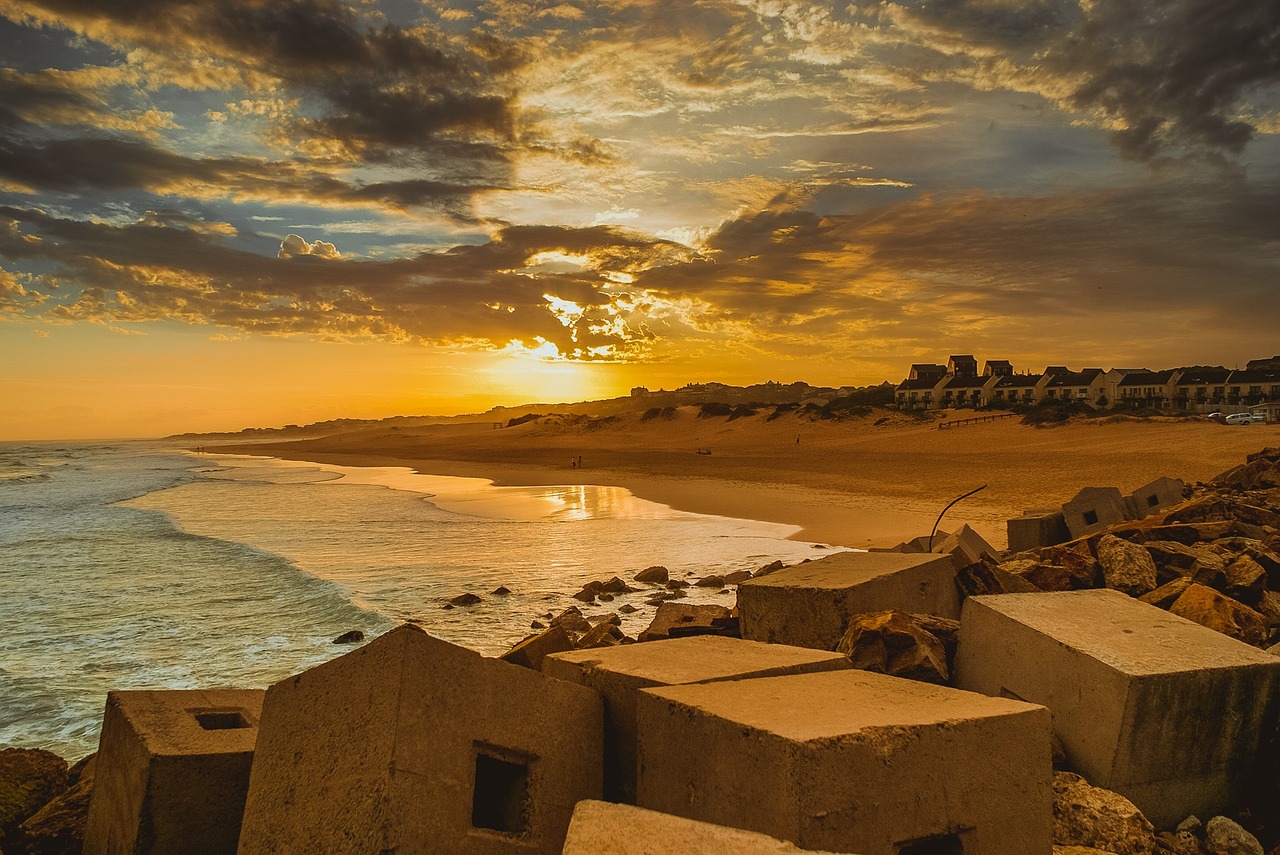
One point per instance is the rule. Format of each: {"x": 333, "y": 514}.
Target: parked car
{"x": 1260, "y": 417}
{"x": 1240, "y": 419}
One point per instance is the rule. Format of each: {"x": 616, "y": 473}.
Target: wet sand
{"x": 853, "y": 483}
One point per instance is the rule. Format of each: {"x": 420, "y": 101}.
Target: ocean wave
{"x": 24, "y": 477}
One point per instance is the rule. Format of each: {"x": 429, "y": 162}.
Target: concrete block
{"x": 414, "y": 745}
{"x": 1154, "y": 497}
{"x": 851, "y": 761}
{"x": 809, "y": 605}
{"x": 1035, "y": 529}
{"x": 619, "y": 673}
{"x": 1093, "y": 509}
{"x": 1140, "y": 697}
{"x": 600, "y": 827}
{"x": 172, "y": 771}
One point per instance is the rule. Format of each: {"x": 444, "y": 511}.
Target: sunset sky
{"x": 254, "y": 212}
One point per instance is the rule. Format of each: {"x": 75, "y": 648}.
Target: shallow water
{"x": 137, "y": 566}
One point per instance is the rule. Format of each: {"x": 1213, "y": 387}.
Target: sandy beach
{"x": 853, "y": 483}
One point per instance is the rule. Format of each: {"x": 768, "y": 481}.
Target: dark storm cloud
{"x": 375, "y": 90}
{"x": 162, "y": 268}
{"x": 1174, "y": 73}
{"x": 88, "y": 164}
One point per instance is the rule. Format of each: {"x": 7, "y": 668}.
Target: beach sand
{"x": 853, "y": 483}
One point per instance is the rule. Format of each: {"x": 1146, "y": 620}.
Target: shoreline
{"x": 852, "y": 484}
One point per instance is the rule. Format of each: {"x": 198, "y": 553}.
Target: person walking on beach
{"x": 797, "y": 439}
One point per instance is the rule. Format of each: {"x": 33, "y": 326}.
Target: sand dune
{"x": 854, "y": 482}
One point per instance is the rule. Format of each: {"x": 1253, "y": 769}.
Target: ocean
{"x": 136, "y": 565}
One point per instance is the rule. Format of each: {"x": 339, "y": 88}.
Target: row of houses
{"x": 959, "y": 383}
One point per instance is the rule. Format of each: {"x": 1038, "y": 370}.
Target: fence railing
{"x": 975, "y": 420}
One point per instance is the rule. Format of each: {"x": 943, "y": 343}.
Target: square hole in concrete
{"x": 500, "y": 801}
{"x": 221, "y": 719}
{"x": 1153, "y": 500}
{"x": 1090, "y": 517}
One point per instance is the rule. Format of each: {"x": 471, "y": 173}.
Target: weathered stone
{"x": 351, "y": 636}
{"x": 1223, "y": 836}
{"x": 467, "y": 599}
{"x": 710, "y": 582}
{"x": 1167, "y": 594}
{"x": 530, "y": 652}
{"x": 619, "y": 673}
{"x": 1035, "y": 529}
{"x": 571, "y": 621}
{"x": 810, "y": 605}
{"x": 1094, "y": 509}
{"x": 1077, "y": 559}
{"x": 1177, "y": 843}
{"x": 412, "y": 744}
{"x": 684, "y": 615}
{"x": 603, "y": 634}
{"x": 1173, "y": 559}
{"x": 771, "y": 567}
{"x": 500, "y": 591}
{"x": 600, "y": 828}
{"x": 1137, "y": 693}
{"x": 1126, "y": 567}
{"x": 616, "y": 586}
{"x": 627, "y": 608}
{"x": 965, "y": 546}
{"x": 737, "y": 577}
{"x": 1044, "y": 576}
{"x": 1210, "y": 570}
{"x": 29, "y": 777}
{"x": 586, "y": 595}
{"x": 1154, "y": 497}
{"x": 1245, "y": 580}
{"x": 172, "y": 771}
{"x": 657, "y": 573}
{"x": 1260, "y": 471}
{"x": 1186, "y": 534}
{"x": 1208, "y": 608}
{"x": 58, "y": 827}
{"x": 985, "y": 577}
{"x": 890, "y": 642}
{"x": 789, "y": 756}
{"x": 1085, "y": 815}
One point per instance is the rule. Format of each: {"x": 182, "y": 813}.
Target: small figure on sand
{"x": 797, "y": 439}
{"x": 573, "y": 463}
{"x": 578, "y": 462}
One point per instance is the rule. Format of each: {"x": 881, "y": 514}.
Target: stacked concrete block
{"x": 1095, "y": 509}
{"x": 600, "y": 827}
{"x": 810, "y": 604}
{"x": 1174, "y": 716}
{"x": 619, "y": 673}
{"x": 1149, "y": 498}
{"x": 172, "y": 771}
{"x": 1035, "y": 529}
{"x": 851, "y": 761}
{"x": 414, "y": 745}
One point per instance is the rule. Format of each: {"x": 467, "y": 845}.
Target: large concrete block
{"x": 851, "y": 761}
{"x": 1035, "y": 529}
{"x": 1149, "y": 498}
{"x": 414, "y": 745}
{"x": 600, "y": 828}
{"x": 172, "y": 771}
{"x": 810, "y": 604}
{"x": 1094, "y": 509}
{"x": 1170, "y": 714}
{"x": 619, "y": 673}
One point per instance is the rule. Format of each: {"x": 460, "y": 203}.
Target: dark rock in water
{"x": 892, "y": 643}
{"x": 29, "y": 778}
{"x": 604, "y": 634}
{"x": 687, "y": 617}
{"x": 627, "y": 609}
{"x": 467, "y": 599}
{"x": 710, "y": 582}
{"x": 530, "y": 652}
{"x": 572, "y": 621}
{"x": 606, "y": 598}
{"x": 657, "y": 573}
{"x": 616, "y": 586}
{"x": 737, "y": 577}
{"x": 676, "y": 584}
{"x": 351, "y": 636}
{"x": 537, "y": 624}
{"x": 586, "y": 595}
{"x": 769, "y": 568}
{"x": 447, "y": 606}
{"x": 58, "y": 827}
{"x": 501, "y": 591}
